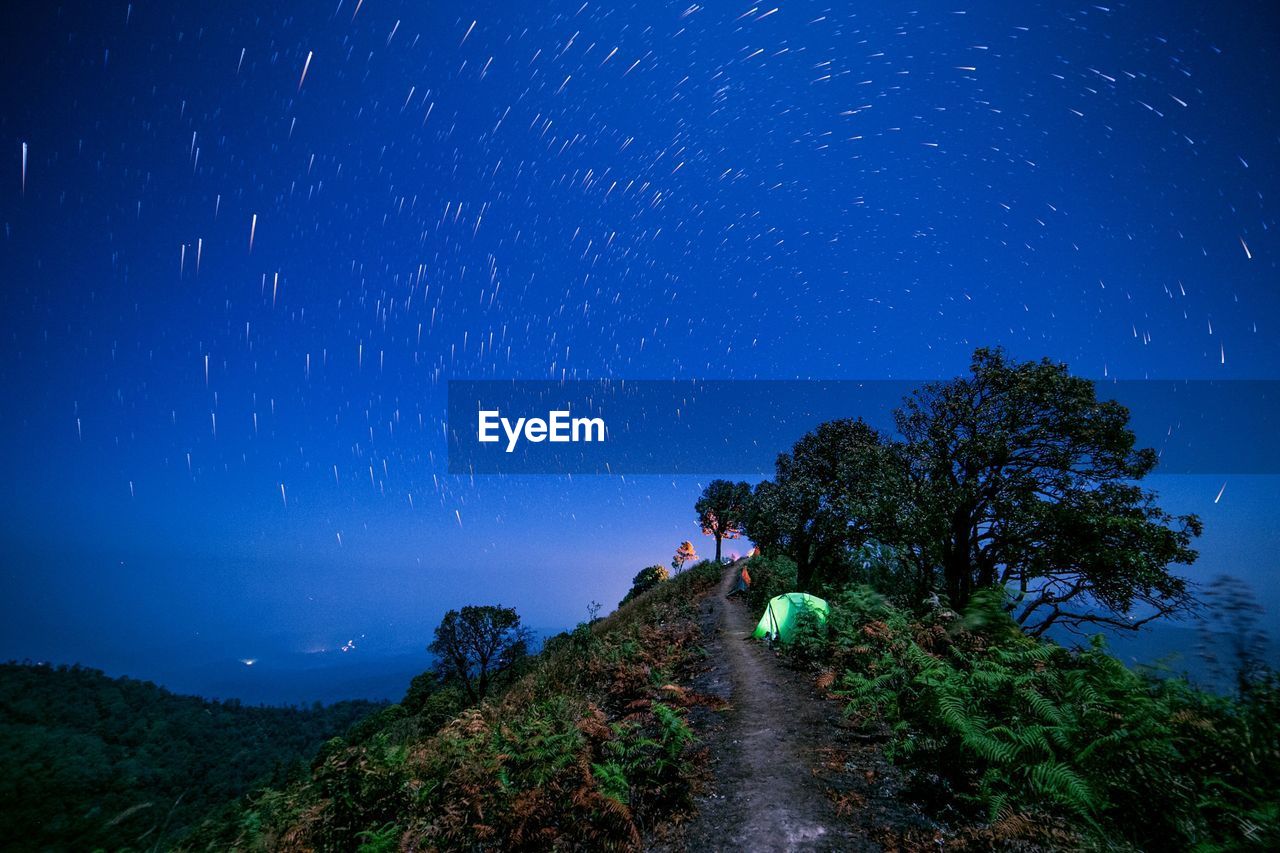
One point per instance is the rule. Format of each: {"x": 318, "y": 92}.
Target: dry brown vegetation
{"x": 588, "y": 749}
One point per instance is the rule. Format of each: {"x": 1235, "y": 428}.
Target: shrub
{"x": 704, "y": 574}
{"x": 770, "y": 576}
{"x": 645, "y": 580}
{"x": 420, "y": 690}
{"x": 384, "y": 839}
{"x": 649, "y": 763}
{"x": 442, "y": 706}
{"x": 374, "y": 723}
{"x": 809, "y": 639}
{"x": 1017, "y": 725}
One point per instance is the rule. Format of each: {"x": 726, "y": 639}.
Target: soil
{"x": 786, "y": 774}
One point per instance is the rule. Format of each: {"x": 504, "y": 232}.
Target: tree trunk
{"x": 804, "y": 574}
{"x": 956, "y": 565}
{"x": 959, "y": 584}
{"x": 717, "y": 549}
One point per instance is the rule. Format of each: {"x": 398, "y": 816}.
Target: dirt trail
{"x": 765, "y": 795}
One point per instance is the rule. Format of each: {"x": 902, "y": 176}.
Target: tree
{"x": 1019, "y": 477}
{"x": 826, "y": 498}
{"x": 684, "y": 554}
{"x": 722, "y": 510}
{"x": 475, "y": 644}
{"x": 1015, "y": 477}
{"x": 645, "y": 580}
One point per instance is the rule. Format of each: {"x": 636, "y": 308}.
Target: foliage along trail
{"x": 768, "y": 748}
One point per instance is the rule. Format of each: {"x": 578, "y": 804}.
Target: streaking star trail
{"x": 245, "y": 249}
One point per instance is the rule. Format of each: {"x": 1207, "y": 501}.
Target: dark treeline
{"x": 88, "y": 761}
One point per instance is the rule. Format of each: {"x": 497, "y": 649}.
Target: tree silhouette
{"x": 1027, "y": 481}
{"x": 645, "y": 580}
{"x": 722, "y": 510}
{"x": 475, "y": 644}
{"x": 1015, "y": 477}
{"x": 1233, "y": 623}
{"x": 820, "y": 505}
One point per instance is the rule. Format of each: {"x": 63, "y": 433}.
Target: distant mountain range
{"x": 296, "y": 678}
{"x": 302, "y": 679}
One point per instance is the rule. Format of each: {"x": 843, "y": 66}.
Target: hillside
{"x": 88, "y": 761}
{"x": 667, "y": 726}
{"x": 587, "y": 745}
{"x": 931, "y": 671}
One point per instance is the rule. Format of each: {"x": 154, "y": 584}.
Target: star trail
{"x": 246, "y": 246}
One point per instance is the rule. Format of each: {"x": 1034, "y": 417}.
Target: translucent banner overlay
{"x": 728, "y": 427}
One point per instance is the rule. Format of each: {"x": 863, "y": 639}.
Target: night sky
{"x": 246, "y": 245}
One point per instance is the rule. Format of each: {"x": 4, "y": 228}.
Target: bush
{"x": 370, "y": 725}
{"x": 1019, "y": 725}
{"x": 420, "y": 690}
{"x": 809, "y": 644}
{"x": 647, "y": 762}
{"x": 704, "y": 574}
{"x": 645, "y": 580}
{"x": 770, "y": 576}
{"x": 442, "y": 706}
{"x": 885, "y": 569}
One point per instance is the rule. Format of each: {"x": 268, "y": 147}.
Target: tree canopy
{"x": 686, "y": 553}
{"x": 477, "y": 643}
{"x": 824, "y": 498}
{"x": 92, "y": 762}
{"x": 1014, "y": 476}
{"x": 1032, "y": 482}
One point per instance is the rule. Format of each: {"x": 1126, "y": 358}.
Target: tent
{"x": 779, "y": 619}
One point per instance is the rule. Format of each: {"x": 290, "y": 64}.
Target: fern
{"x": 612, "y": 781}
{"x": 382, "y": 840}
{"x": 1018, "y": 725}
{"x": 1061, "y": 783}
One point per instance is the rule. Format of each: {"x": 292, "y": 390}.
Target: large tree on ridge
{"x": 722, "y": 510}
{"x": 1023, "y": 479}
{"x": 1015, "y": 476}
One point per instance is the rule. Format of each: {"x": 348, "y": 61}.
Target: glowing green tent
{"x": 779, "y": 619}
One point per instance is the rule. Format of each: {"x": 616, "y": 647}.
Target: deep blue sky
{"x": 547, "y": 190}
